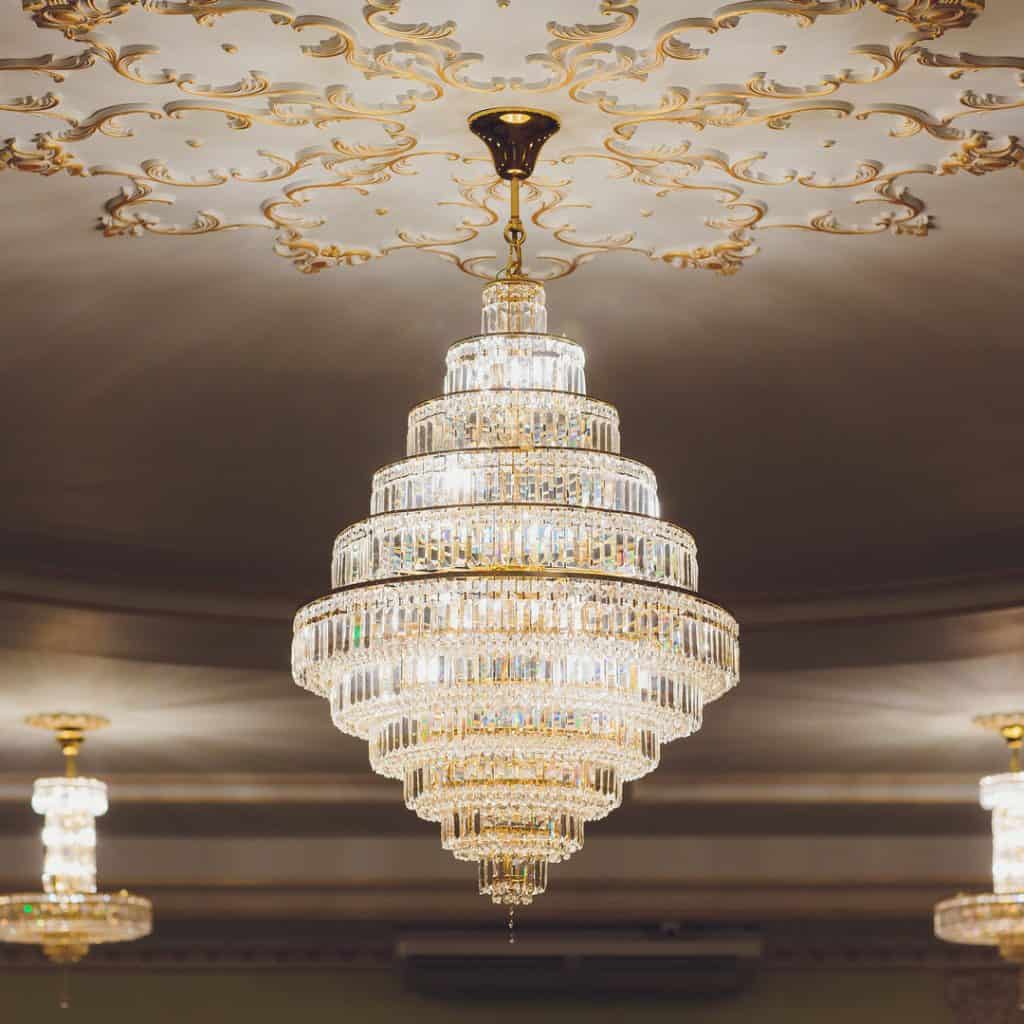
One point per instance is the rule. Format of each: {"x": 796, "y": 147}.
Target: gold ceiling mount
{"x": 515, "y": 137}
{"x": 1009, "y": 725}
{"x": 70, "y": 729}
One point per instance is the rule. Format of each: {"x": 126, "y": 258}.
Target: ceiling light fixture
{"x": 69, "y": 915}
{"x": 996, "y": 918}
{"x": 514, "y": 630}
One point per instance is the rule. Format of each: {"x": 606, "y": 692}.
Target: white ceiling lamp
{"x": 514, "y": 630}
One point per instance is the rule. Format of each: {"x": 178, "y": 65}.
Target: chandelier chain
{"x": 515, "y": 235}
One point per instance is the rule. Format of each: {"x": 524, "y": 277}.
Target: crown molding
{"x": 707, "y": 877}
{"x": 341, "y": 790}
{"x": 944, "y": 596}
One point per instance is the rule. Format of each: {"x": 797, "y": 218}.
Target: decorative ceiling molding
{"x": 766, "y": 788}
{"x": 387, "y": 878}
{"x": 738, "y": 900}
{"x": 382, "y": 861}
{"x": 108, "y": 620}
{"x": 333, "y": 151}
{"x": 984, "y": 997}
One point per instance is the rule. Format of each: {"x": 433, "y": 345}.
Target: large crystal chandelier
{"x": 514, "y": 630}
{"x": 69, "y": 915}
{"x": 996, "y": 918}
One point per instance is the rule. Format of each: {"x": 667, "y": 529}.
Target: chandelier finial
{"x": 515, "y": 136}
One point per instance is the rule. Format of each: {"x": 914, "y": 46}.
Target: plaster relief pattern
{"x": 687, "y": 142}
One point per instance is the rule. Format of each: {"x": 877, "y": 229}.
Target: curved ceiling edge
{"x": 252, "y": 632}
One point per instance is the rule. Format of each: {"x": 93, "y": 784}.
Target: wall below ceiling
{"x": 377, "y": 996}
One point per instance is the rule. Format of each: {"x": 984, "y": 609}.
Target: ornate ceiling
{"x": 337, "y": 132}
{"x": 839, "y": 424}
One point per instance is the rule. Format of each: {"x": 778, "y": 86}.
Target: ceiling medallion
{"x": 70, "y": 915}
{"x": 514, "y": 631}
{"x": 734, "y": 124}
{"x": 996, "y": 918}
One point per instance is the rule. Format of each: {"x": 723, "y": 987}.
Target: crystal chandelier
{"x": 996, "y": 918}
{"x": 514, "y": 630}
{"x": 69, "y": 915}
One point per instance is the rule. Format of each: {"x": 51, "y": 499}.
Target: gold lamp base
{"x": 70, "y": 728}
{"x": 1009, "y": 725}
{"x": 67, "y": 721}
{"x": 65, "y": 953}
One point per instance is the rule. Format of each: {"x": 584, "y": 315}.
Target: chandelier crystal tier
{"x": 996, "y": 918}
{"x": 513, "y": 630}
{"x": 70, "y": 915}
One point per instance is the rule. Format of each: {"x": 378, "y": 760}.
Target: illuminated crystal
{"x": 1003, "y": 795}
{"x": 71, "y": 807}
{"x": 69, "y": 915}
{"x": 67, "y": 924}
{"x": 513, "y": 630}
{"x": 996, "y": 918}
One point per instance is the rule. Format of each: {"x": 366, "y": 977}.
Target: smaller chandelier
{"x": 996, "y": 918}
{"x": 69, "y": 915}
